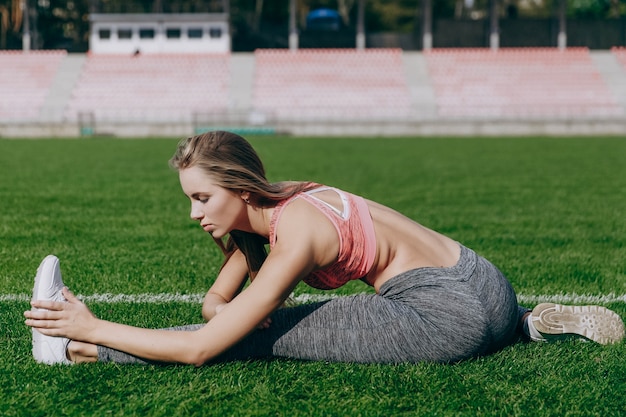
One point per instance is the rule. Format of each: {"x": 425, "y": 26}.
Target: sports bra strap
{"x": 344, "y": 214}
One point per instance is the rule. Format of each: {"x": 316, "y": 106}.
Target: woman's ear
{"x": 245, "y": 196}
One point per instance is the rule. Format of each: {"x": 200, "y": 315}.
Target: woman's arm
{"x": 227, "y": 285}
{"x": 303, "y": 245}
{"x": 275, "y": 281}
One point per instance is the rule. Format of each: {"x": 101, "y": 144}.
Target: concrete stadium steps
{"x": 60, "y": 91}
{"x": 613, "y": 73}
{"x": 620, "y": 54}
{"x": 25, "y": 81}
{"x": 519, "y": 83}
{"x": 613, "y": 67}
{"x": 420, "y": 85}
{"x": 331, "y": 84}
{"x": 151, "y": 87}
{"x": 241, "y": 80}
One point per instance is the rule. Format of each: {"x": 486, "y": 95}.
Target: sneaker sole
{"x": 556, "y": 321}
{"x": 47, "y": 349}
{"x": 50, "y": 350}
{"x": 47, "y": 266}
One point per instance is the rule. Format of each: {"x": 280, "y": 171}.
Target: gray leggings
{"x": 425, "y": 314}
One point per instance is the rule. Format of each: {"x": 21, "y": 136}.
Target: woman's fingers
{"x": 45, "y": 312}
{"x": 56, "y": 305}
{"x": 48, "y": 305}
{"x": 71, "y": 318}
{"x": 265, "y": 324}
{"x": 45, "y": 327}
{"x": 69, "y": 295}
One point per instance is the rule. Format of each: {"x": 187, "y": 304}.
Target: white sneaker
{"x": 48, "y": 286}
{"x": 556, "y": 321}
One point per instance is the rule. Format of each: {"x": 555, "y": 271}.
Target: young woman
{"x": 435, "y": 300}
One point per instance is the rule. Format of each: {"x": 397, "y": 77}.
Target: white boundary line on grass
{"x": 151, "y": 298}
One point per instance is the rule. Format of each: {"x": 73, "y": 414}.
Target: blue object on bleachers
{"x": 323, "y": 20}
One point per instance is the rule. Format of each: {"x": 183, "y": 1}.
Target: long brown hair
{"x": 234, "y": 164}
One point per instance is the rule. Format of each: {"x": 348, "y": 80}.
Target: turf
{"x": 548, "y": 211}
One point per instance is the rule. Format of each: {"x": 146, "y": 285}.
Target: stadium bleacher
{"x": 519, "y": 83}
{"x": 25, "y": 80}
{"x": 151, "y": 87}
{"x": 331, "y": 84}
{"x": 314, "y": 90}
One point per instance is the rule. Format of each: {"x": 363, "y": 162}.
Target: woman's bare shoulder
{"x": 305, "y": 228}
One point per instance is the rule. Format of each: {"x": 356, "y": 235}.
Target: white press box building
{"x": 114, "y": 33}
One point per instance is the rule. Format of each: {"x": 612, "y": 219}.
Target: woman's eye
{"x": 203, "y": 200}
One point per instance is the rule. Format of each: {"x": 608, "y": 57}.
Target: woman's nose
{"x": 195, "y": 213}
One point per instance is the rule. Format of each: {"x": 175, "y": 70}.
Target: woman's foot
{"x": 48, "y": 286}
{"x": 596, "y": 323}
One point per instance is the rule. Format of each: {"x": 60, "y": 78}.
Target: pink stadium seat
{"x": 25, "y": 79}
{"x": 331, "y": 84}
{"x": 151, "y": 87}
{"x": 519, "y": 83}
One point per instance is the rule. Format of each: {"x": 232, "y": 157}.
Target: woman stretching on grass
{"x": 435, "y": 300}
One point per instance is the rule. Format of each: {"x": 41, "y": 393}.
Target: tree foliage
{"x": 65, "y": 23}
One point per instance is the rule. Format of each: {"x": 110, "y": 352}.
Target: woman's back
{"x": 403, "y": 244}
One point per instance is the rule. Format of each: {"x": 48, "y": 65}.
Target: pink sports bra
{"x": 357, "y": 242}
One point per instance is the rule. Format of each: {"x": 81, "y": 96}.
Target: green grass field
{"x": 550, "y": 212}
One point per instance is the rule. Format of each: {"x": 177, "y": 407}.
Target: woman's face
{"x": 218, "y": 209}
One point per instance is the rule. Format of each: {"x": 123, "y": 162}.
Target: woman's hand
{"x": 265, "y": 324}
{"x": 71, "y": 319}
